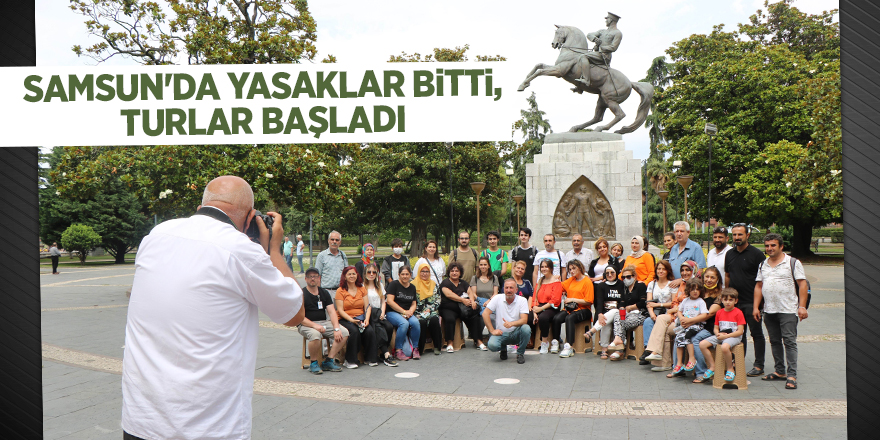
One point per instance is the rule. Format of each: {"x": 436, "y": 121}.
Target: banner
{"x": 241, "y": 104}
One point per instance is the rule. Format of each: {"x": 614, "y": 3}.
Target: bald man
{"x": 193, "y": 318}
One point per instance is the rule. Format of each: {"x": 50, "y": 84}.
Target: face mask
{"x": 398, "y": 251}
{"x": 711, "y": 286}
{"x": 629, "y": 281}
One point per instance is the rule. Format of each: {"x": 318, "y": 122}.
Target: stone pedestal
{"x": 604, "y": 161}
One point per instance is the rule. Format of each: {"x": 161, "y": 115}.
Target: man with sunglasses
{"x": 192, "y": 327}
{"x": 741, "y": 268}
{"x": 719, "y": 252}
{"x": 331, "y": 261}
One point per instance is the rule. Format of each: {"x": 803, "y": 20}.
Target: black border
{"x": 860, "y": 113}
{"x": 20, "y": 362}
{"x": 21, "y": 385}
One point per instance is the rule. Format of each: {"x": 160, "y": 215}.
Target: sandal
{"x": 701, "y": 379}
{"x": 674, "y": 374}
{"x": 603, "y": 355}
{"x": 616, "y": 356}
{"x": 773, "y": 376}
{"x": 677, "y": 369}
{"x": 729, "y": 376}
{"x": 690, "y": 366}
{"x": 588, "y": 336}
{"x": 450, "y": 349}
{"x": 791, "y": 384}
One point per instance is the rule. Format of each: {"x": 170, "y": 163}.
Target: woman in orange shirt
{"x": 578, "y": 288}
{"x": 353, "y": 307}
{"x": 642, "y": 260}
{"x": 545, "y": 303}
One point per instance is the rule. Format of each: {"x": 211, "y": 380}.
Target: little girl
{"x": 689, "y": 319}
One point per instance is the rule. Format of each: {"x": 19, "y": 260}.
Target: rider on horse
{"x": 607, "y": 41}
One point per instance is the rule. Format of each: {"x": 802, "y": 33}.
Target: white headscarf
{"x": 641, "y": 246}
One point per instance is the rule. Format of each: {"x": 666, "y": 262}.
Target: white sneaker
{"x": 554, "y": 346}
{"x": 567, "y": 351}
{"x": 350, "y": 366}
{"x": 483, "y": 347}
{"x": 654, "y": 357}
{"x": 543, "y": 349}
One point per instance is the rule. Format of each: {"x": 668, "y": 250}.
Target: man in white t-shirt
{"x": 578, "y": 251}
{"x": 555, "y": 256}
{"x": 784, "y": 291}
{"x": 300, "y": 246}
{"x": 193, "y": 318}
{"x": 718, "y": 253}
{"x": 511, "y": 314}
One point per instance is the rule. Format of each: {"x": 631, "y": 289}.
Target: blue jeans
{"x": 698, "y": 354}
{"x": 519, "y": 337}
{"x": 287, "y": 259}
{"x": 409, "y": 327}
{"x": 647, "y": 326}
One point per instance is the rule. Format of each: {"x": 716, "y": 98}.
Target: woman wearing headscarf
{"x": 609, "y": 296}
{"x": 367, "y": 258}
{"x": 642, "y": 260}
{"x": 428, "y": 307}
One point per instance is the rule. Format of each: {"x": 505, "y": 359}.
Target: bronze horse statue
{"x": 612, "y": 86}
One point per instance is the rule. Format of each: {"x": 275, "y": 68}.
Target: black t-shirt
{"x": 608, "y": 297}
{"x": 743, "y": 269}
{"x": 310, "y": 302}
{"x": 461, "y": 289}
{"x": 403, "y": 296}
{"x": 527, "y": 255}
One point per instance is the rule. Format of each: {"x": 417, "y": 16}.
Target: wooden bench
{"x": 457, "y": 341}
{"x": 739, "y": 363}
{"x": 580, "y": 343}
{"x": 307, "y": 357}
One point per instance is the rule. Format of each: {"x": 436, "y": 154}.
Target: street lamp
{"x": 711, "y": 130}
{"x": 685, "y": 182}
{"x": 663, "y": 195}
{"x": 517, "y": 199}
{"x": 509, "y": 172}
{"x": 451, "y": 218}
{"x": 478, "y": 188}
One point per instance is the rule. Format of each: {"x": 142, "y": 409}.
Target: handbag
{"x": 466, "y": 312}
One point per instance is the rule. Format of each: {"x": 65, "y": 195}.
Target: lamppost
{"x": 509, "y": 172}
{"x": 478, "y": 188}
{"x": 663, "y": 195}
{"x": 451, "y": 218}
{"x": 685, "y": 182}
{"x": 711, "y": 130}
{"x": 517, "y": 199}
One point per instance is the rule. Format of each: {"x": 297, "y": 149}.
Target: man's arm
{"x": 523, "y": 319}
{"x": 756, "y": 312}
{"x": 487, "y": 313}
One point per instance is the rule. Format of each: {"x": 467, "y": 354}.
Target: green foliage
{"x": 81, "y": 239}
{"x": 534, "y": 128}
{"x": 442, "y": 55}
{"x": 201, "y": 31}
{"x": 772, "y": 89}
{"x": 170, "y": 180}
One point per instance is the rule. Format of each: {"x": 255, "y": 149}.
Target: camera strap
{"x": 216, "y": 214}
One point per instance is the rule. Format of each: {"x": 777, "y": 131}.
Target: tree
{"x": 408, "y": 183}
{"x": 204, "y": 31}
{"x": 170, "y": 180}
{"x": 755, "y": 85}
{"x": 534, "y": 128}
{"x": 81, "y": 239}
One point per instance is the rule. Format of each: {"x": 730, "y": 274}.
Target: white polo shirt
{"x": 504, "y": 311}
{"x": 191, "y": 335}
{"x": 716, "y": 258}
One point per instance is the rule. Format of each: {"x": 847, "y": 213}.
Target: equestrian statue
{"x": 589, "y": 71}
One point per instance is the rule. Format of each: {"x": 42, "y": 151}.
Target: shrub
{"x": 81, "y": 239}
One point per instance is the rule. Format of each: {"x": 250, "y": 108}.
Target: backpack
{"x": 792, "y": 263}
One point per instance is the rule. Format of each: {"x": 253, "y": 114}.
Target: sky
{"x": 366, "y": 32}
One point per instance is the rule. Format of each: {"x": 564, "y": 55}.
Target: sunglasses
{"x": 371, "y": 272}
{"x": 626, "y": 277}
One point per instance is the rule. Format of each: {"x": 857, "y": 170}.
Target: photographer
{"x": 191, "y": 336}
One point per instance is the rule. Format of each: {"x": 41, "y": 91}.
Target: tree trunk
{"x": 119, "y": 253}
{"x": 361, "y": 248}
{"x": 800, "y": 241}
{"x": 418, "y": 236}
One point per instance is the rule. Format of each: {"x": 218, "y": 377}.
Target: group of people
{"x": 685, "y": 302}
{"x": 200, "y": 283}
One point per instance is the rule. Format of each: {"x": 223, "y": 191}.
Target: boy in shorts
{"x": 729, "y": 327}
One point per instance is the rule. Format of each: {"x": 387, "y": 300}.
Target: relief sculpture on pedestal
{"x": 584, "y": 209}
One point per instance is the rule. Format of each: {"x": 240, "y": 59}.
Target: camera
{"x": 253, "y": 231}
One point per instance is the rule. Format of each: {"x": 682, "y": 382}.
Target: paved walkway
{"x": 459, "y": 395}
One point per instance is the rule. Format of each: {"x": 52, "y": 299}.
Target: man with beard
{"x": 719, "y": 252}
{"x": 741, "y": 268}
